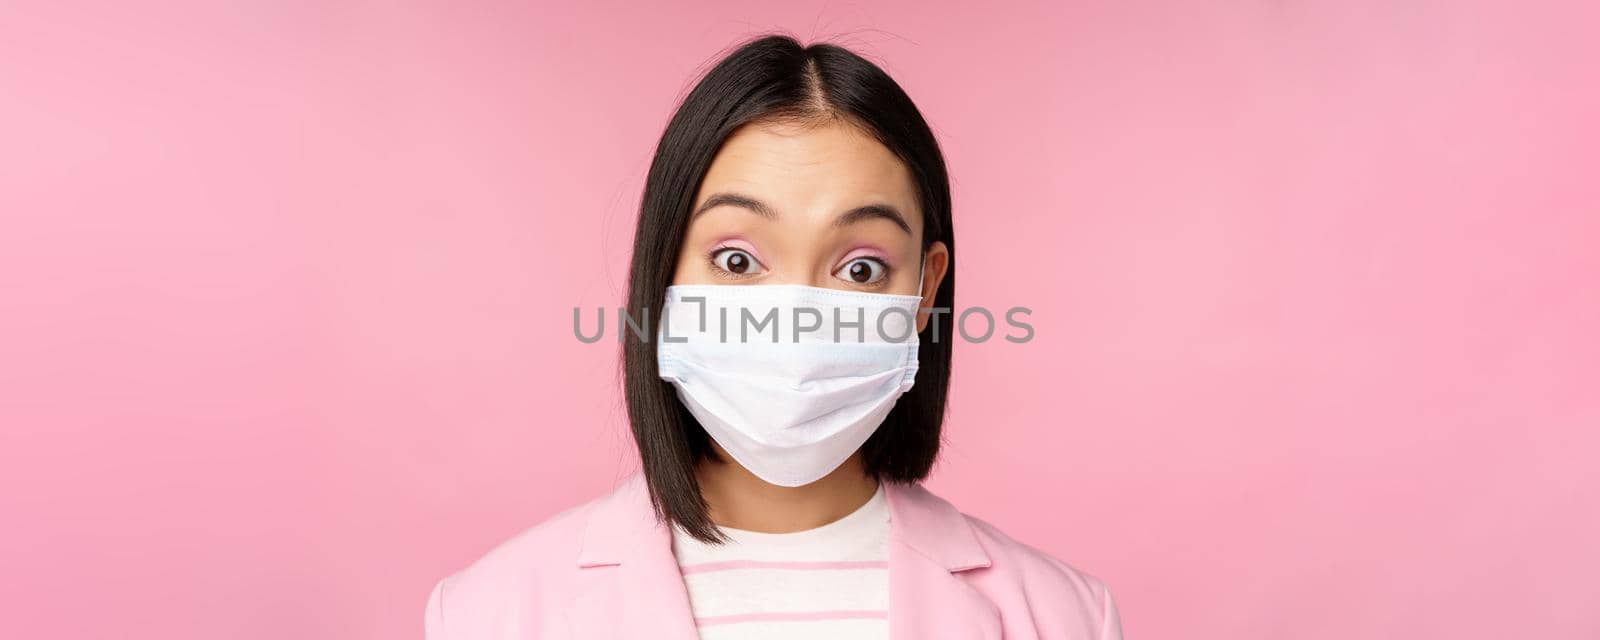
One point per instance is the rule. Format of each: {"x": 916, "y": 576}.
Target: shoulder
{"x": 1036, "y": 568}
{"x": 1033, "y": 589}
{"x": 505, "y": 582}
{"x": 1059, "y": 595}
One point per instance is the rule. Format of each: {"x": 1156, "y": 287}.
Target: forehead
{"x": 811, "y": 170}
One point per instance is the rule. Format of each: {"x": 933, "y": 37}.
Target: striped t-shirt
{"x": 827, "y": 582}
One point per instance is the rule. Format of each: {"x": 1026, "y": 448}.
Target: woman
{"x": 794, "y": 231}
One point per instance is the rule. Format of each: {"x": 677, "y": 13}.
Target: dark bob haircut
{"x": 776, "y": 79}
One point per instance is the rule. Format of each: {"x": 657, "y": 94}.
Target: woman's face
{"x": 821, "y": 205}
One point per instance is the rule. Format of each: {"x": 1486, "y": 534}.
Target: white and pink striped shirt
{"x": 827, "y": 582}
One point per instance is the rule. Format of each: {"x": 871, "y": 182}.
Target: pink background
{"x": 286, "y": 295}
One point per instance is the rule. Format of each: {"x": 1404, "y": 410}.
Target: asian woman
{"x": 795, "y": 231}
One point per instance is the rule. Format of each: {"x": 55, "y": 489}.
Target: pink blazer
{"x": 605, "y": 570}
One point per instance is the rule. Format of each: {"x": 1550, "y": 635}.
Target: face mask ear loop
{"x": 916, "y": 337}
{"x": 922, "y": 275}
{"x": 922, "y": 272}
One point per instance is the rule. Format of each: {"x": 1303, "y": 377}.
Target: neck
{"x": 737, "y": 499}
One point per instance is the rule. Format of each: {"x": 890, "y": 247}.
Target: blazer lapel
{"x": 931, "y": 542}
{"x": 654, "y": 602}
{"x": 639, "y": 592}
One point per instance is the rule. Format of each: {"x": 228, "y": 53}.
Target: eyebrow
{"x": 858, "y": 214}
{"x": 871, "y": 211}
{"x": 735, "y": 200}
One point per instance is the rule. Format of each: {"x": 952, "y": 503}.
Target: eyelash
{"x": 717, "y": 270}
{"x": 883, "y": 281}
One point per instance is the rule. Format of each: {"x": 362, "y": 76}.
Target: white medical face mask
{"x": 789, "y": 379}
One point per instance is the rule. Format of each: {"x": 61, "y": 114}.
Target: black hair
{"x": 775, "y": 78}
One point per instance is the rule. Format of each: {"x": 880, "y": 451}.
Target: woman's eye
{"x": 862, "y": 271}
{"x": 735, "y": 261}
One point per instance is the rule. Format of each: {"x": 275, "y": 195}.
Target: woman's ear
{"x": 935, "y": 263}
